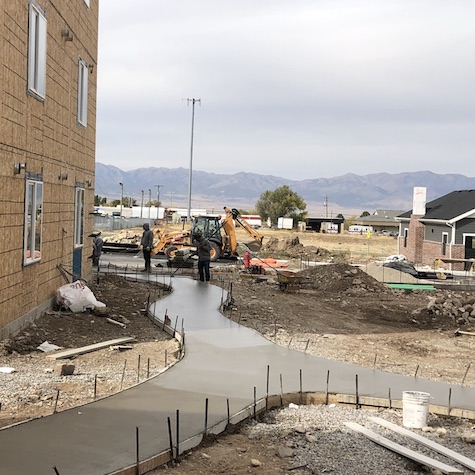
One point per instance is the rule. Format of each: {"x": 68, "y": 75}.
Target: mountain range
{"x": 349, "y": 193}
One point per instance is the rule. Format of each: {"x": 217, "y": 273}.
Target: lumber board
{"x": 461, "y": 459}
{"x": 404, "y": 451}
{"x": 89, "y": 348}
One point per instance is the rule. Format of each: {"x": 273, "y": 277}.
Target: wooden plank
{"x": 461, "y": 459}
{"x": 88, "y": 349}
{"x": 401, "y": 450}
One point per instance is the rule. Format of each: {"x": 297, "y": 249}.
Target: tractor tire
{"x": 215, "y": 252}
{"x": 170, "y": 252}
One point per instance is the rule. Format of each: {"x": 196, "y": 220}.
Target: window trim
{"x": 79, "y": 218}
{"x": 30, "y": 232}
{"x": 36, "y": 64}
{"x": 82, "y": 92}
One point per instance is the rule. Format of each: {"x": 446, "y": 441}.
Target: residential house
{"x": 441, "y": 229}
{"x": 381, "y": 220}
{"x": 47, "y": 147}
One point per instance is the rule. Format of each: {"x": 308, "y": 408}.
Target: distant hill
{"x": 242, "y": 190}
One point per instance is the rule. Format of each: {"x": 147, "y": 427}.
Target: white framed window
{"x": 33, "y": 221}
{"x": 79, "y": 217}
{"x": 82, "y": 92}
{"x": 36, "y": 51}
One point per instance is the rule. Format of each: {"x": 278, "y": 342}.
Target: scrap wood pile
{"x": 126, "y": 236}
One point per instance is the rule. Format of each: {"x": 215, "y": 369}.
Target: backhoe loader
{"x": 220, "y": 231}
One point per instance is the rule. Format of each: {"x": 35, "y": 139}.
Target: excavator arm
{"x": 233, "y": 216}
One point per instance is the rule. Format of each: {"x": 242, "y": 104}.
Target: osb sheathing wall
{"x": 46, "y": 136}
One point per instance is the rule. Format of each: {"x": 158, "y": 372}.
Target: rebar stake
{"x": 56, "y": 401}
{"x": 170, "y": 438}
{"x": 357, "y": 397}
{"x": 138, "y": 369}
{"x": 281, "y": 391}
{"x": 137, "y": 451}
{"x": 56, "y": 470}
{"x": 206, "y": 416}
{"x": 95, "y": 386}
{"x": 301, "y": 395}
{"x": 466, "y": 372}
{"x": 123, "y": 374}
{"x": 326, "y": 390}
{"x": 267, "y": 387}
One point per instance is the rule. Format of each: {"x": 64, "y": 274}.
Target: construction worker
{"x": 147, "y": 245}
{"x": 204, "y": 257}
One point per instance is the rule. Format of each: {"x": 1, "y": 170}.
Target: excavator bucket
{"x": 254, "y": 246}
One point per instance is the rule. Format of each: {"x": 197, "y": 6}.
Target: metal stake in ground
{"x": 206, "y": 415}
{"x": 357, "y": 397}
{"x": 56, "y": 470}
{"x": 123, "y": 374}
{"x": 177, "y": 433}
{"x": 255, "y": 402}
{"x": 56, "y": 401}
{"x": 326, "y": 390}
{"x": 267, "y": 388}
{"x": 301, "y": 395}
{"x": 137, "y": 451}
{"x": 170, "y": 439}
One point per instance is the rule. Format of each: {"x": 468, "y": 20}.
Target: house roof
{"x": 448, "y": 207}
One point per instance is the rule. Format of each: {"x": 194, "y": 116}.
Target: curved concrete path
{"x": 224, "y": 363}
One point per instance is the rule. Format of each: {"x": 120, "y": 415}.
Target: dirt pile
{"x": 340, "y": 278}
{"x": 292, "y": 248}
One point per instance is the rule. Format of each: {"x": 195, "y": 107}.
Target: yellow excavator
{"x": 220, "y": 232}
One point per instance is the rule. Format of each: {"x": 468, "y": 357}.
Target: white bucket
{"x": 415, "y": 409}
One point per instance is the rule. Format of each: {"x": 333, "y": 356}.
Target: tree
{"x": 99, "y": 200}
{"x": 364, "y": 213}
{"x": 282, "y": 202}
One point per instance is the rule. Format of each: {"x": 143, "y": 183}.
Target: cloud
{"x": 364, "y": 86}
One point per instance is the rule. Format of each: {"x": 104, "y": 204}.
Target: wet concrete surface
{"x": 224, "y": 363}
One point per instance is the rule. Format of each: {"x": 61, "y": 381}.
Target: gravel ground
{"x": 320, "y": 442}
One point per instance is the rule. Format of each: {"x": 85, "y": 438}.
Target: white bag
{"x": 77, "y": 296}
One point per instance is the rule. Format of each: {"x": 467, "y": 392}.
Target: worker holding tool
{"x": 147, "y": 245}
{"x": 204, "y": 257}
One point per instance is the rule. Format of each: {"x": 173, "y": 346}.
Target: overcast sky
{"x": 292, "y": 88}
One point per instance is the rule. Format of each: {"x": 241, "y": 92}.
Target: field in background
{"x": 355, "y": 248}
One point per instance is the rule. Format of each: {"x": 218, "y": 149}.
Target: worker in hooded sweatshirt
{"x": 147, "y": 245}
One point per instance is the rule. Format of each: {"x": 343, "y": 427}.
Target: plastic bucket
{"x": 415, "y": 409}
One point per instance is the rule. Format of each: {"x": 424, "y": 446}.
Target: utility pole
{"x": 325, "y": 203}
{"x": 121, "y": 197}
{"x": 158, "y": 199}
{"x": 149, "y": 201}
{"x": 141, "y": 206}
{"x": 193, "y": 102}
